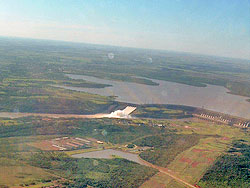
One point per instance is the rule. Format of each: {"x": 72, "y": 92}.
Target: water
{"x": 107, "y": 154}
{"x": 212, "y": 97}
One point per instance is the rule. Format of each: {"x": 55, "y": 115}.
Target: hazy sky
{"x": 216, "y": 27}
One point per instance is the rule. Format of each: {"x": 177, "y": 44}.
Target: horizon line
{"x": 141, "y": 48}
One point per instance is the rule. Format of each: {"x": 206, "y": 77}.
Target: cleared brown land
{"x": 61, "y": 143}
{"x": 18, "y": 115}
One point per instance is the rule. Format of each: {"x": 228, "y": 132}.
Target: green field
{"x": 163, "y": 111}
{"x": 186, "y": 148}
{"x": 194, "y": 162}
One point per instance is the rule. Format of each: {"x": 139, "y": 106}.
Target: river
{"x": 215, "y": 98}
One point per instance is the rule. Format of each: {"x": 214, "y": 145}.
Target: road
{"x": 166, "y": 171}
{"x": 18, "y": 115}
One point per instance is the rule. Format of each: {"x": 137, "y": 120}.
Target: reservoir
{"x": 107, "y": 154}
{"x": 215, "y": 98}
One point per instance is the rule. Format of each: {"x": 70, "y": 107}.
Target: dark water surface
{"x": 212, "y": 97}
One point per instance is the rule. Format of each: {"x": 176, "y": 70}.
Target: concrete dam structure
{"x": 125, "y": 113}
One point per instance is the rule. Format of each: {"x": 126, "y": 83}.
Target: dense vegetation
{"x": 93, "y": 172}
{"x": 164, "y": 111}
{"x": 114, "y": 131}
{"x": 231, "y": 169}
{"x": 166, "y": 147}
{"x": 36, "y": 95}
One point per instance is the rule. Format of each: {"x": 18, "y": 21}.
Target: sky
{"x": 213, "y": 27}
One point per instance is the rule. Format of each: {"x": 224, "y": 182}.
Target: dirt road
{"x": 166, "y": 171}
{"x": 18, "y": 115}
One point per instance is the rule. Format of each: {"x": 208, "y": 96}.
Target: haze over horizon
{"x": 219, "y": 28}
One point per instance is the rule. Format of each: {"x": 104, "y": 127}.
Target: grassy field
{"x": 19, "y": 174}
{"x": 161, "y": 180}
{"x": 189, "y": 164}
{"x": 163, "y": 111}
{"x": 193, "y": 163}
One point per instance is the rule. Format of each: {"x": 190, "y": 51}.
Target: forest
{"x": 93, "y": 172}
{"x": 166, "y": 147}
{"x": 231, "y": 169}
